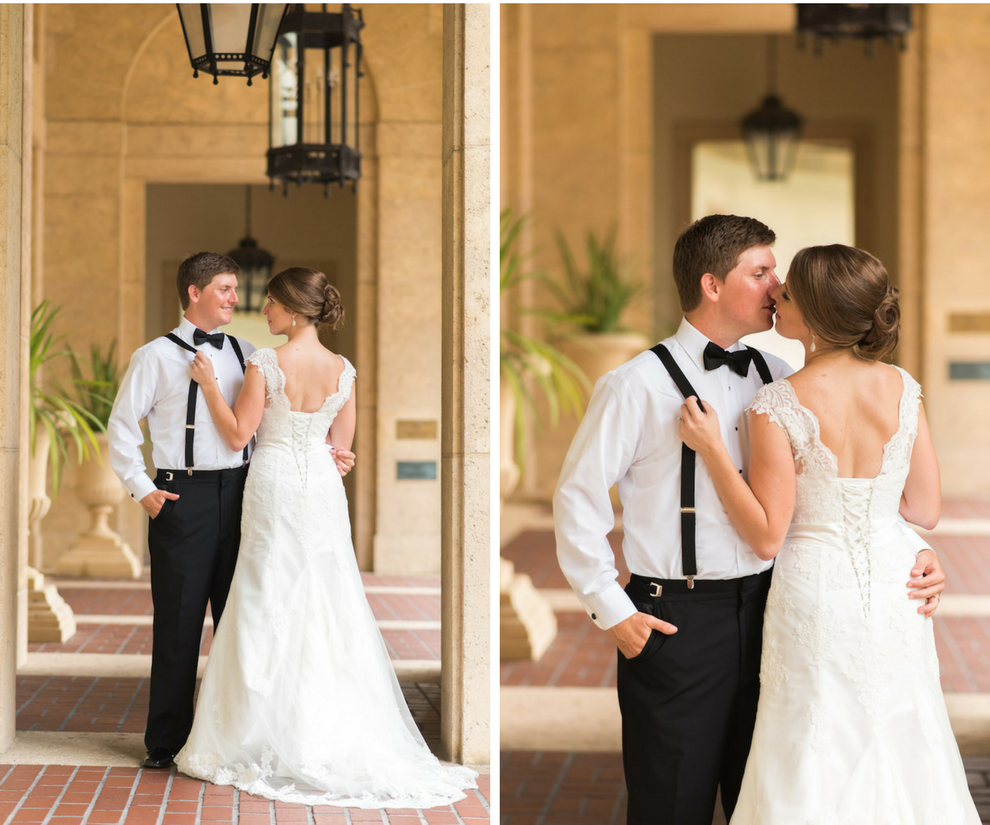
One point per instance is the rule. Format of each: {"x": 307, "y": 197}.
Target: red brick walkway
{"x": 57, "y": 795}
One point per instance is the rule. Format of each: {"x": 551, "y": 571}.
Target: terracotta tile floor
{"x": 552, "y": 788}
{"x": 60, "y": 795}
{"x": 133, "y": 796}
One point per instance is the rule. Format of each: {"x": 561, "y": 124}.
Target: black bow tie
{"x": 200, "y": 337}
{"x": 738, "y": 362}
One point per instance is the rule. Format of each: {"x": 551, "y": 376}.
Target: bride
{"x": 299, "y": 701}
{"x": 852, "y": 725}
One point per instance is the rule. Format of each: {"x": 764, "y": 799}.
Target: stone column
{"x": 465, "y": 450}
{"x": 15, "y": 188}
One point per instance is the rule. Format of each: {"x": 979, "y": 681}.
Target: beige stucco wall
{"x": 120, "y": 119}
{"x": 955, "y": 212}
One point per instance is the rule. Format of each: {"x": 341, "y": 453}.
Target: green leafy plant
{"x": 63, "y": 418}
{"x": 97, "y": 394}
{"x": 595, "y": 297}
{"x": 521, "y": 357}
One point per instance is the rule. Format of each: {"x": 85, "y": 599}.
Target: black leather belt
{"x": 645, "y": 587}
{"x": 168, "y": 476}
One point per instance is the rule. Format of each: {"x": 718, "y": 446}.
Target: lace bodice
{"x": 280, "y": 425}
{"x": 822, "y": 496}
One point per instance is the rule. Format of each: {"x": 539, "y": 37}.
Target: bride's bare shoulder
{"x": 818, "y": 378}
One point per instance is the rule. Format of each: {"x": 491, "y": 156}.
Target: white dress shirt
{"x": 629, "y": 435}
{"x": 156, "y": 387}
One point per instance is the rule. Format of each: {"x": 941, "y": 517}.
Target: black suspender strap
{"x": 689, "y": 561}
{"x": 758, "y": 359}
{"x": 193, "y": 390}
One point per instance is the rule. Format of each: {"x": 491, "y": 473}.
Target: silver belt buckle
{"x": 655, "y": 589}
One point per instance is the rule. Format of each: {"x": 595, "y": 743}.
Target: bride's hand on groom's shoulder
{"x": 631, "y": 635}
{"x": 201, "y": 370}
{"x": 698, "y": 426}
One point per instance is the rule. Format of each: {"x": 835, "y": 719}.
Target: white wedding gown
{"x": 852, "y": 726}
{"x": 299, "y": 701}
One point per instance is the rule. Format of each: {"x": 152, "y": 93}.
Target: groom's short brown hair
{"x": 199, "y": 269}
{"x": 713, "y": 244}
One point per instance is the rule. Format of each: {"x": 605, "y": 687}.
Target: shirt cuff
{"x": 608, "y": 607}
{"x": 139, "y": 486}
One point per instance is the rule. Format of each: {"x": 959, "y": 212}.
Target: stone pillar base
{"x": 100, "y": 557}
{"x": 527, "y": 624}
{"x": 50, "y": 619}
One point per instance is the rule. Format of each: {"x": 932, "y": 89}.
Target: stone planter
{"x": 99, "y": 552}
{"x": 601, "y": 352}
{"x": 49, "y": 618}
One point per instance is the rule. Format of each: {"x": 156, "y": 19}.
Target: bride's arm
{"x": 341, "y": 434}
{"x": 236, "y": 426}
{"x": 761, "y": 510}
{"x": 921, "y": 501}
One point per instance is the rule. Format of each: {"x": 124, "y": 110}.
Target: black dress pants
{"x": 688, "y": 700}
{"x": 193, "y": 543}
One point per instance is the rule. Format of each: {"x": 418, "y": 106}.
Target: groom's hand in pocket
{"x": 631, "y": 635}
{"x": 155, "y": 500}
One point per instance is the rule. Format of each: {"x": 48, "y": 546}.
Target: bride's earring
{"x": 812, "y": 348}
{"x": 294, "y": 323}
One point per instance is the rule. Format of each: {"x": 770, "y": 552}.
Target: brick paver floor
{"x": 553, "y": 788}
{"x": 58, "y": 795}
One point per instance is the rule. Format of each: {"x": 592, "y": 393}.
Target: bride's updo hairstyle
{"x": 308, "y": 292}
{"x": 846, "y": 299}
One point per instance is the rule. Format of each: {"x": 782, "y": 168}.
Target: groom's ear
{"x": 710, "y": 287}
{"x": 194, "y": 294}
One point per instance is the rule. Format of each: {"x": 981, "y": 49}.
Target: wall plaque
{"x": 426, "y": 470}
{"x": 969, "y": 371}
{"x": 416, "y": 429}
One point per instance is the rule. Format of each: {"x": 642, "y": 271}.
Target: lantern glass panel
{"x": 230, "y": 27}
{"x": 284, "y": 81}
{"x": 192, "y": 17}
{"x": 264, "y": 34}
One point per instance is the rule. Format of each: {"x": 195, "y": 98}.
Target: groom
{"x": 688, "y": 626}
{"x": 194, "y": 501}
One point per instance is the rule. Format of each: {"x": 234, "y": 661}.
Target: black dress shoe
{"x": 158, "y": 758}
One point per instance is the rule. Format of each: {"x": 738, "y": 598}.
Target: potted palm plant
{"x": 55, "y": 421}
{"x": 527, "y": 362}
{"x": 594, "y": 298}
{"x": 100, "y": 551}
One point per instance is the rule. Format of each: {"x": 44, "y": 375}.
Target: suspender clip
{"x": 189, "y": 471}
{"x": 690, "y": 581}
{"x": 687, "y": 509}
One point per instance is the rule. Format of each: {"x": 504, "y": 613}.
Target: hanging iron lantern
{"x": 256, "y": 267}
{"x": 315, "y": 98}
{"x": 773, "y": 131}
{"x": 231, "y": 39}
{"x": 853, "y": 21}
